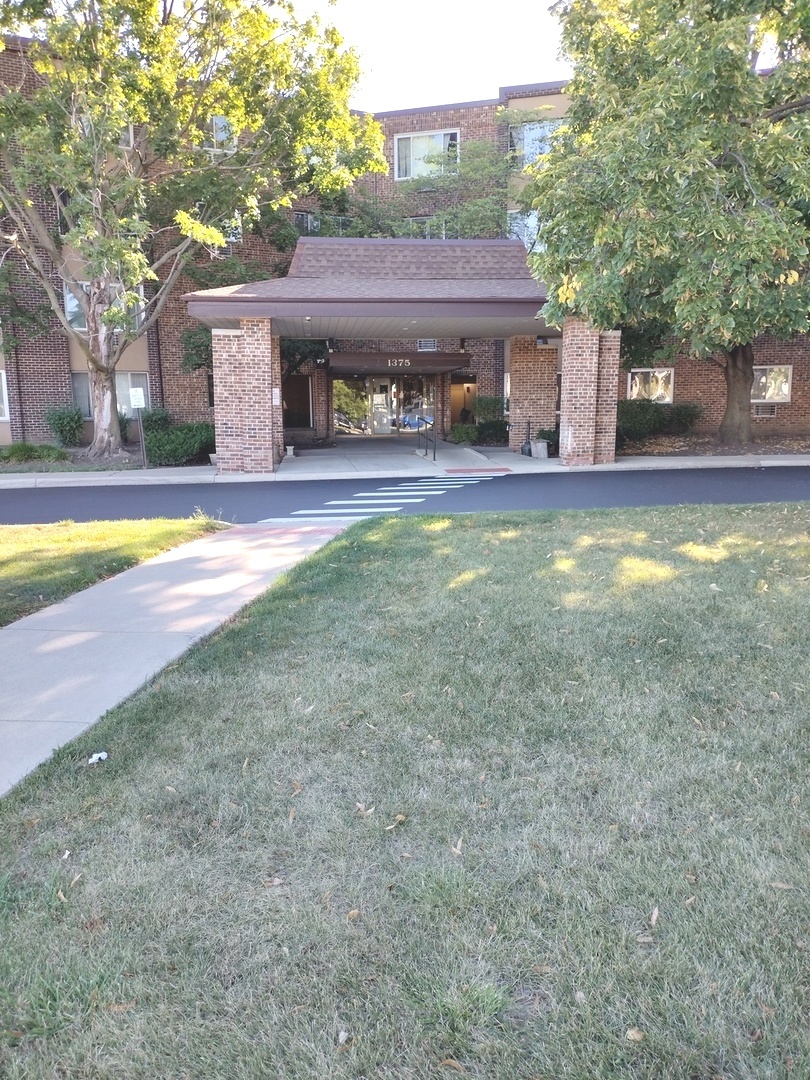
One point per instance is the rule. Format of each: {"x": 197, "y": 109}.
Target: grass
{"x": 25, "y": 453}
{"x": 504, "y": 796}
{"x": 41, "y": 564}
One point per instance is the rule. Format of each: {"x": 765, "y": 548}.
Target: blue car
{"x": 414, "y": 421}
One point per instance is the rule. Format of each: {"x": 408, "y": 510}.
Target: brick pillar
{"x": 604, "y": 449}
{"x": 532, "y": 388}
{"x": 590, "y": 370}
{"x": 247, "y": 393}
{"x": 441, "y": 419}
{"x": 322, "y": 416}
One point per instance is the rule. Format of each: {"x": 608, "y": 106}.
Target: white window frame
{"x": 4, "y": 414}
{"x": 657, "y": 371}
{"x": 768, "y": 397}
{"x": 80, "y": 381}
{"x": 429, "y": 344}
{"x": 73, "y": 309}
{"x": 127, "y": 139}
{"x": 447, "y": 142}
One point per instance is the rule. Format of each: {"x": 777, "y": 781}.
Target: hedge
{"x": 181, "y": 444}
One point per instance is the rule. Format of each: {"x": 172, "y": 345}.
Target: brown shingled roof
{"x": 318, "y": 257}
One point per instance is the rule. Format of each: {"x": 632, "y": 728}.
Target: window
{"x": 772, "y": 383}
{"x": 430, "y": 228}
{"x": 650, "y": 384}
{"x": 523, "y": 226}
{"x": 127, "y": 139}
{"x": 309, "y": 224}
{"x": 420, "y": 155}
{"x": 306, "y": 223}
{"x": 427, "y": 345}
{"x": 232, "y": 231}
{"x": 124, "y": 380}
{"x": 3, "y": 398}
{"x": 220, "y": 138}
{"x": 528, "y": 141}
{"x": 76, "y": 316}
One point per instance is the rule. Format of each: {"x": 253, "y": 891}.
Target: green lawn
{"x": 41, "y": 564}
{"x": 503, "y": 796}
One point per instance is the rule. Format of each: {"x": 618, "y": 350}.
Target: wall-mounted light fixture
{"x": 330, "y": 344}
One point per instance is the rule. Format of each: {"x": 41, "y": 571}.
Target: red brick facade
{"x": 247, "y": 389}
{"x": 702, "y": 382}
{"x": 38, "y": 369}
{"x": 532, "y": 389}
{"x": 590, "y": 364}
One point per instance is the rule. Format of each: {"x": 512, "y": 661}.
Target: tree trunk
{"x": 104, "y": 406}
{"x": 103, "y": 402}
{"x": 735, "y": 430}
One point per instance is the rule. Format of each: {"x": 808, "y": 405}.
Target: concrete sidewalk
{"x": 65, "y": 666}
{"x": 347, "y": 462}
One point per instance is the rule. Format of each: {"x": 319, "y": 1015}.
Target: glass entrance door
{"x": 382, "y": 415}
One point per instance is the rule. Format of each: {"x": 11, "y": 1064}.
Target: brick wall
{"x": 532, "y": 388}
{"x": 185, "y": 393}
{"x": 247, "y": 371}
{"x": 473, "y": 122}
{"x": 590, "y": 364}
{"x": 702, "y": 382}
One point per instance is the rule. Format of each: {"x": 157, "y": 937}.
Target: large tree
{"x": 677, "y": 194}
{"x": 156, "y": 129}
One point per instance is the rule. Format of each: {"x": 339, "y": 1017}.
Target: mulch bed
{"x": 708, "y": 446}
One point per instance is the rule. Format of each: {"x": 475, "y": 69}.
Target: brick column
{"x": 441, "y": 419}
{"x": 532, "y": 388}
{"x": 322, "y": 417}
{"x": 590, "y": 369}
{"x": 247, "y": 393}
{"x": 604, "y": 447}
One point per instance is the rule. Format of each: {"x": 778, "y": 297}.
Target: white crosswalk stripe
{"x": 388, "y": 499}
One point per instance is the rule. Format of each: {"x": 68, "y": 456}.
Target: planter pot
{"x": 212, "y": 458}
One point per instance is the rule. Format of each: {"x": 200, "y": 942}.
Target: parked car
{"x": 413, "y": 419}
{"x": 344, "y": 424}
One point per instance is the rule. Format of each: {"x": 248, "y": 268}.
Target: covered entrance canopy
{"x": 364, "y": 292}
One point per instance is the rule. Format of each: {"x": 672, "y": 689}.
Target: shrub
{"x": 155, "y": 420}
{"x": 123, "y": 423}
{"x": 66, "y": 423}
{"x": 681, "y": 418}
{"x": 463, "y": 433}
{"x": 638, "y": 420}
{"x": 492, "y": 432}
{"x": 25, "y": 451}
{"x": 488, "y": 408}
{"x": 552, "y": 437}
{"x": 182, "y": 444}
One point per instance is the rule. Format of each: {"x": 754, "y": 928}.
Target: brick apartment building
{"x": 39, "y": 371}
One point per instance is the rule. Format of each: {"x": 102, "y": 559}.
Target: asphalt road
{"x": 250, "y": 502}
